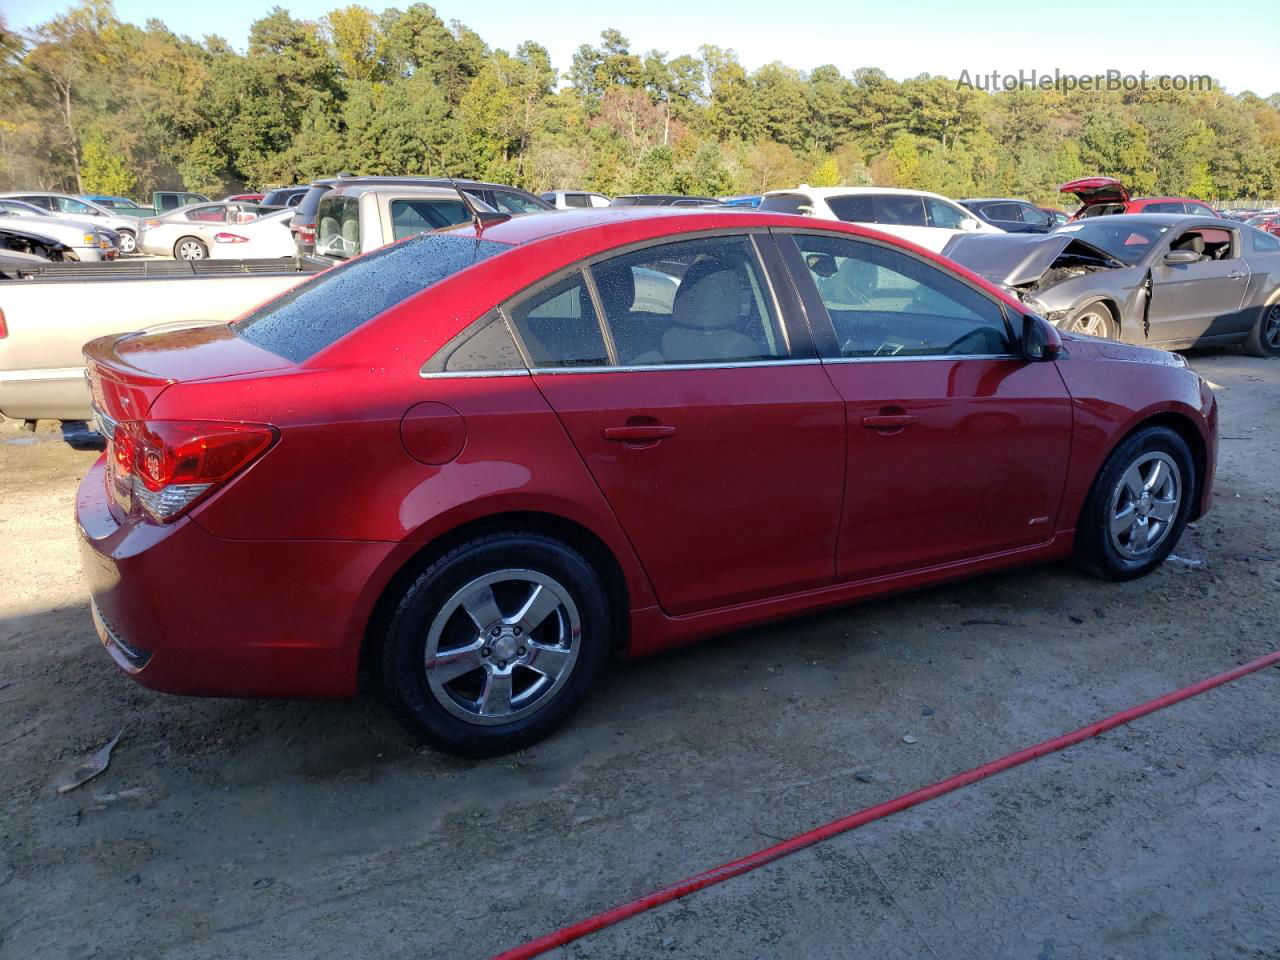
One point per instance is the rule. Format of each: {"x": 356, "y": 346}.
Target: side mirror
{"x": 1040, "y": 340}
{"x": 1181, "y": 256}
{"x": 968, "y": 223}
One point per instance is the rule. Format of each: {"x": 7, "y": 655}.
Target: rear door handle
{"x": 889, "y": 421}
{"x": 639, "y": 433}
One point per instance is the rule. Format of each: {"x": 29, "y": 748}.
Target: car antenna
{"x": 478, "y": 217}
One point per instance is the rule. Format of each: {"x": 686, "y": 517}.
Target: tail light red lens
{"x": 168, "y": 465}
{"x": 307, "y": 234}
{"x": 4, "y": 327}
{"x": 229, "y": 238}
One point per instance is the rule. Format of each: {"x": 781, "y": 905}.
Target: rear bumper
{"x": 186, "y": 612}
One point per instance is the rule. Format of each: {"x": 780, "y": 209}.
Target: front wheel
{"x": 496, "y": 643}
{"x": 1094, "y": 320}
{"x": 1138, "y": 507}
{"x": 128, "y": 242}
{"x": 189, "y": 248}
{"x": 1264, "y": 338}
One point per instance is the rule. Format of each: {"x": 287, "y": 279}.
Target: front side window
{"x": 80, "y": 209}
{"x": 338, "y": 227}
{"x": 413, "y": 216}
{"x": 943, "y": 214}
{"x": 514, "y": 203}
{"x": 559, "y": 327}
{"x": 884, "y": 303}
{"x": 695, "y": 301}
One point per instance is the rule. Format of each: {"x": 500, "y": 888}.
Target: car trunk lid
{"x": 1091, "y": 190}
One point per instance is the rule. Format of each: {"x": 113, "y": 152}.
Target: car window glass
{"x": 514, "y": 203}
{"x": 796, "y": 203}
{"x": 696, "y": 301}
{"x": 210, "y": 214}
{"x": 67, "y": 205}
{"x": 485, "y": 345}
{"x": 559, "y": 327}
{"x": 42, "y": 202}
{"x": 410, "y": 217}
{"x": 1003, "y": 211}
{"x": 1264, "y": 242}
{"x": 576, "y": 200}
{"x": 883, "y": 303}
{"x": 1165, "y": 207}
{"x": 906, "y": 211}
{"x": 338, "y": 228}
{"x": 943, "y": 214}
{"x": 853, "y": 207}
{"x": 1033, "y": 215}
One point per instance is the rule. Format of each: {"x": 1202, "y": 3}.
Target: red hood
{"x": 1091, "y": 190}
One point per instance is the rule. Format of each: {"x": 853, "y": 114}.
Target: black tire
{"x": 1096, "y": 549}
{"x": 190, "y": 248}
{"x": 1264, "y": 338}
{"x": 1095, "y": 316}
{"x": 403, "y": 668}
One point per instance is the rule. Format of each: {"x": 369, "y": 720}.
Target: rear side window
{"x": 1168, "y": 206}
{"x": 338, "y": 227}
{"x": 559, "y": 327}
{"x": 418, "y": 215}
{"x": 577, "y": 200}
{"x": 796, "y": 203}
{"x": 854, "y": 208}
{"x": 327, "y": 307}
{"x": 1003, "y": 211}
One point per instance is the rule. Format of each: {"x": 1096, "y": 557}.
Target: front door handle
{"x": 889, "y": 422}
{"x": 639, "y": 433}
{"x": 1236, "y": 275}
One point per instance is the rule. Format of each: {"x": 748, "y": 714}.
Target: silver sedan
{"x": 188, "y": 232}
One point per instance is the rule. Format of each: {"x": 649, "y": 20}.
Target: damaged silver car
{"x": 1164, "y": 280}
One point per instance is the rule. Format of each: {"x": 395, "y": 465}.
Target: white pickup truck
{"x": 49, "y": 311}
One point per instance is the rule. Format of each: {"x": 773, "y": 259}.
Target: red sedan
{"x": 1102, "y": 196}
{"x": 476, "y": 463}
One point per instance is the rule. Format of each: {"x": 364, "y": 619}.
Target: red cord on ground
{"x": 854, "y": 820}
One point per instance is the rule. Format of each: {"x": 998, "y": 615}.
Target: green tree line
{"x": 90, "y": 103}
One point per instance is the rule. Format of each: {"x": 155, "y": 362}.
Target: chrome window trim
{"x": 928, "y": 356}
{"x": 641, "y": 368}
{"x": 461, "y": 374}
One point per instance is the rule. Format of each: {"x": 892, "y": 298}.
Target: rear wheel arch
{"x": 569, "y": 532}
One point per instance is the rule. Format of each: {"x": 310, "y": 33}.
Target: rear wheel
{"x": 1094, "y": 320}
{"x": 496, "y": 643}
{"x": 128, "y": 242}
{"x": 1264, "y": 338}
{"x": 190, "y": 248}
{"x": 1138, "y": 507}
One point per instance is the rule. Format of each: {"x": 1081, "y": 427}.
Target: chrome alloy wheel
{"x": 190, "y": 250}
{"x": 502, "y": 646}
{"x": 1271, "y": 327}
{"x": 1144, "y": 505}
{"x": 1091, "y": 323}
{"x": 128, "y": 243}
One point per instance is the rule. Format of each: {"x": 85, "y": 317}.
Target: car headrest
{"x": 709, "y": 297}
{"x": 1192, "y": 241}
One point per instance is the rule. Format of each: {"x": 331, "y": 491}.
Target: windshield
{"x": 1123, "y": 239}
{"x": 327, "y": 307}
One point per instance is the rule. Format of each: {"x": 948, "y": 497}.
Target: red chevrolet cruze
{"x": 474, "y": 463}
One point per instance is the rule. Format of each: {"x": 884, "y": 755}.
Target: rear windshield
{"x": 327, "y": 307}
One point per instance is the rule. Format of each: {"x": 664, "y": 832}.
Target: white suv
{"x": 574, "y": 199}
{"x": 926, "y": 219}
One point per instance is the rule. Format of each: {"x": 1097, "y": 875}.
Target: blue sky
{"x": 903, "y": 38}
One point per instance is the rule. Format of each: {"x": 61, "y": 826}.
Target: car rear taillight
{"x": 307, "y": 234}
{"x": 169, "y": 465}
{"x": 229, "y": 238}
{"x": 4, "y": 327}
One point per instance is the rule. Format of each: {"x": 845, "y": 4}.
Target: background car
{"x": 571, "y": 199}
{"x": 541, "y": 471}
{"x": 31, "y": 245}
{"x": 1162, "y": 279}
{"x": 928, "y": 219}
{"x": 1059, "y": 217}
{"x": 1270, "y": 222}
{"x": 186, "y": 233}
{"x": 1106, "y": 196}
{"x": 244, "y": 197}
{"x": 751, "y": 200}
{"x": 282, "y": 197}
{"x": 494, "y": 196}
{"x": 88, "y": 243}
{"x": 72, "y": 208}
{"x": 663, "y": 200}
{"x": 264, "y": 238}
{"x": 1011, "y": 216}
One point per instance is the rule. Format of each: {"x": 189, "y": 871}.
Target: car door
{"x": 957, "y": 446}
{"x": 1190, "y": 301}
{"x": 705, "y": 418}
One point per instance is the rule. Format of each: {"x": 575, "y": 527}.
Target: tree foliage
{"x": 88, "y": 102}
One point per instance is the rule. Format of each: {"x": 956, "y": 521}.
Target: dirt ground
{"x": 233, "y": 829}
